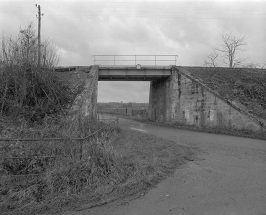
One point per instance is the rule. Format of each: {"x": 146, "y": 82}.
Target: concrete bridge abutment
{"x": 182, "y": 99}
{"x": 160, "y": 100}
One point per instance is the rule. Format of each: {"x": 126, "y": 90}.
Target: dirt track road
{"x": 229, "y": 178}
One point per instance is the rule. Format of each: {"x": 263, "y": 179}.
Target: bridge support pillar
{"x": 160, "y": 100}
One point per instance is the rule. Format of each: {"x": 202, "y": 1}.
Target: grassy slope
{"x": 246, "y": 86}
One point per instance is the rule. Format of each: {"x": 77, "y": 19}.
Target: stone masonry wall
{"x": 179, "y": 99}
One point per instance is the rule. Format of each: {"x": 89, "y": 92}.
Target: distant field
{"x": 122, "y": 105}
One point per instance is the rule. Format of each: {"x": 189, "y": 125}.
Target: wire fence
{"x": 141, "y": 113}
{"x": 131, "y": 112}
{"x": 32, "y": 156}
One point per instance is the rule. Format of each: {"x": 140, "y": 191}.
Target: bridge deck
{"x": 132, "y": 73}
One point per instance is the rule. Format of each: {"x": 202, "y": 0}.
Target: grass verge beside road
{"x": 152, "y": 160}
{"x": 126, "y": 164}
{"x": 215, "y": 130}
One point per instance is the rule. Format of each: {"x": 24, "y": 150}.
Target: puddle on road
{"x": 141, "y": 125}
{"x": 139, "y": 129}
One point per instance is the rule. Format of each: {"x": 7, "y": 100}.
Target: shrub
{"x": 25, "y": 89}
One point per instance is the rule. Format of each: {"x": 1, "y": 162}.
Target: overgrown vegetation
{"x": 246, "y": 86}
{"x": 42, "y": 157}
{"x": 112, "y": 166}
{"x": 26, "y": 91}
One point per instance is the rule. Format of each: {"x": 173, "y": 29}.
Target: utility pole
{"x": 39, "y": 36}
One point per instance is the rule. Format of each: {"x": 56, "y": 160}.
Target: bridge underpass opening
{"x": 128, "y": 83}
{"x": 123, "y": 91}
{"x": 131, "y": 82}
{"x": 124, "y": 84}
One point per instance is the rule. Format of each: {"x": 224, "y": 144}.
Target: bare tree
{"x": 228, "y": 52}
{"x": 255, "y": 65}
{"x": 23, "y": 87}
{"x": 50, "y": 56}
{"x": 230, "y": 49}
{"x": 211, "y": 59}
{"x": 27, "y": 44}
{"x": 23, "y": 50}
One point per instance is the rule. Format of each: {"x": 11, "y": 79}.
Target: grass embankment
{"x": 246, "y": 86}
{"x": 111, "y": 168}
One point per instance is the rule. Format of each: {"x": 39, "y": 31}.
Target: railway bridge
{"x": 175, "y": 96}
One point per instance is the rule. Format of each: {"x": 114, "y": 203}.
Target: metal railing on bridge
{"x": 129, "y": 60}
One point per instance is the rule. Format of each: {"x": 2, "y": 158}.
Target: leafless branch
{"x": 211, "y": 59}
{"x": 230, "y": 48}
{"x": 252, "y": 65}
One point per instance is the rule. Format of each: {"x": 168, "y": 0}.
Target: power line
{"x": 111, "y": 5}
{"x": 167, "y": 16}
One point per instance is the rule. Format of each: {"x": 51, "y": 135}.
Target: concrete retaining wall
{"x": 180, "y": 99}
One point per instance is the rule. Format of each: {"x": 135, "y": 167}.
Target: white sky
{"x": 188, "y": 29}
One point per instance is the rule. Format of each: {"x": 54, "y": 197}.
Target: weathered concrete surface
{"x": 245, "y": 87}
{"x": 228, "y": 178}
{"x": 85, "y": 105}
{"x": 181, "y": 99}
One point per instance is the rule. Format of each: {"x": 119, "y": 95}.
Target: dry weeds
{"x": 112, "y": 167}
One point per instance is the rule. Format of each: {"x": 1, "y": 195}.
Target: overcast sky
{"x": 189, "y": 29}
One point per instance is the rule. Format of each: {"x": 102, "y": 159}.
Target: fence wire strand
{"x": 71, "y": 148}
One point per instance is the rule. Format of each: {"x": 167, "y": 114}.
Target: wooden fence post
{"x": 81, "y": 149}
